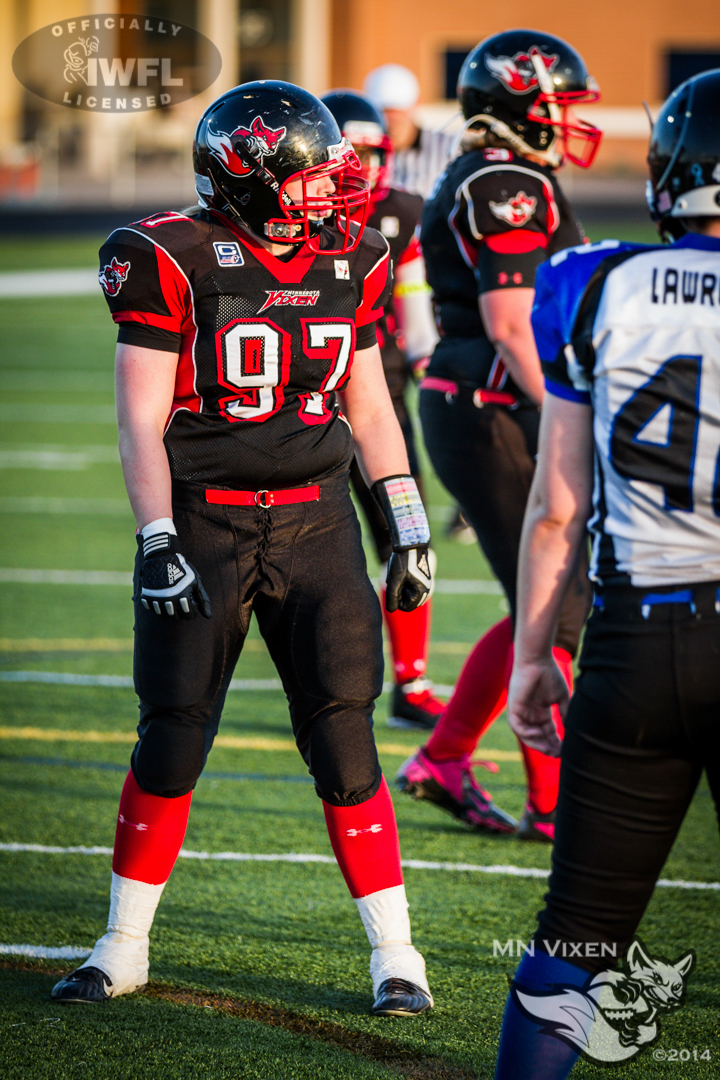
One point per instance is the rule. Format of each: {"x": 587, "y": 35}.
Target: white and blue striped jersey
{"x": 635, "y": 333}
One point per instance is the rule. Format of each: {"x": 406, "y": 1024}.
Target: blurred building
{"x": 51, "y": 155}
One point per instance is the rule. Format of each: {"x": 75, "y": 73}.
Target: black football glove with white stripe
{"x": 169, "y": 585}
{"x": 409, "y": 582}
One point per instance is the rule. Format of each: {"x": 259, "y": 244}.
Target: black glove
{"x": 169, "y": 585}
{"x": 409, "y": 574}
{"x": 409, "y": 580}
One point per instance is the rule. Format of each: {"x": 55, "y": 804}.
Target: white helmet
{"x": 392, "y": 87}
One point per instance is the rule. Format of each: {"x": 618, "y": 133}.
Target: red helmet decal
{"x": 516, "y": 210}
{"x": 517, "y": 73}
{"x": 261, "y": 142}
{"x": 112, "y": 276}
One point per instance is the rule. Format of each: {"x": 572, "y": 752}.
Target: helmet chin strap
{"x": 502, "y": 131}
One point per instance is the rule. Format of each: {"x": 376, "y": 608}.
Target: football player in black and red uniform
{"x": 497, "y": 213}
{"x": 244, "y": 325}
{"x": 407, "y": 336}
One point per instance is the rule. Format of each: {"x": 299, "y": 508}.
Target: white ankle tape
{"x": 132, "y": 905}
{"x": 385, "y": 916}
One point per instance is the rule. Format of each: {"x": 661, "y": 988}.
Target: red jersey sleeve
{"x": 376, "y": 289}
{"x": 147, "y": 293}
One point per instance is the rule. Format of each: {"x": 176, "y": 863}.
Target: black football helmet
{"x": 684, "y": 155}
{"x": 259, "y": 137}
{"x": 519, "y": 85}
{"x": 363, "y": 126}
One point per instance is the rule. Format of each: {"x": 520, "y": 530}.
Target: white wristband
{"x": 160, "y": 525}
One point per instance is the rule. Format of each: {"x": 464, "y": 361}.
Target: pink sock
{"x": 365, "y": 841}
{"x": 149, "y": 834}
{"x": 479, "y": 696}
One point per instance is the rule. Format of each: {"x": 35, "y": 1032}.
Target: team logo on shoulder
{"x": 342, "y": 269}
{"x": 517, "y": 73}
{"x": 228, "y": 254}
{"x": 112, "y": 275}
{"x": 260, "y": 141}
{"x": 290, "y": 297}
{"x": 516, "y": 210}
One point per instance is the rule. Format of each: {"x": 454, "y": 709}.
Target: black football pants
{"x": 643, "y": 723}
{"x": 301, "y": 569}
{"x": 486, "y": 459}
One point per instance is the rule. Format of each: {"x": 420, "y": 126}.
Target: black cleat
{"x": 415, "y": 707}
{"x": 398, "y": 997}
{"x": 538, "y": 827}
{"x": 86, "y": 985}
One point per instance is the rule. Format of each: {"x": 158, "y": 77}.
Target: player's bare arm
{"x": 553, "y": 531}
{"x": 379, "y": 442}
{"x": 506, "y": 317}
{"x": 144, "y": 384}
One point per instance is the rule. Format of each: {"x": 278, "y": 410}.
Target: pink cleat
{"x": 452, "y": 786}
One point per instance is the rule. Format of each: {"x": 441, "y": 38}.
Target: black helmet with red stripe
{"x": 260, "y": 137}
{"x": 519, "y": 87}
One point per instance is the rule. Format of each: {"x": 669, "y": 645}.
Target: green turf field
{"x": 258, "y": 968}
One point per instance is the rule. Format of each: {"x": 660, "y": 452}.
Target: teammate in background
{"x": 420, "y": 154}
{"x": 497, "y": 214}
{"x": 239, "y": 324}
{"x": 407, "y": 335}
{"x": 629, "y": 338}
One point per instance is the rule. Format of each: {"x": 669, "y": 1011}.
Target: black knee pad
{"x": 342, "y": 757}
{"x": 169, "y": 755}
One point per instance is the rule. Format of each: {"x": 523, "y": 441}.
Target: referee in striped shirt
{"x": 420, "y": 154}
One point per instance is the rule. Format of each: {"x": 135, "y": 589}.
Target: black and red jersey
{"x": 493, "y": 219}
{"x": 264, "y": 343}
{"x": 395, "y": 214}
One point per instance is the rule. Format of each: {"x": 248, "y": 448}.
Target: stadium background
{"x": 259, "y": 962}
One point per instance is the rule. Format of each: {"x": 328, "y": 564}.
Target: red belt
{"x": 480, "y": 396}
{"x": 263, "y": 498}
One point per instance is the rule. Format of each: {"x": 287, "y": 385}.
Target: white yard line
{"x": 66, "y": 678}
{"x": 503, "y": 870}
{"x": 49, "y": 283}
{"x": 114, "y": 577}
{"x": 42, "y": 952}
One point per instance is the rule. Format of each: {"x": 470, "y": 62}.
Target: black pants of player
{"x": 643, "y": 723}
{"x": 485, "y": 457}
{"x": 373, "y": 513}
{"x": 301, "y": 569}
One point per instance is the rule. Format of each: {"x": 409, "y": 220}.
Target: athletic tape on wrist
{"x": 156, "y": 536}
{"x": 404, "y": 512}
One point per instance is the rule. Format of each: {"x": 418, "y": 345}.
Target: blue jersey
{"x": 634, "y": 332}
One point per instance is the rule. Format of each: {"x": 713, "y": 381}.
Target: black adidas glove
{"x": 169, "y": 585}
{"x": 409, "y": 580}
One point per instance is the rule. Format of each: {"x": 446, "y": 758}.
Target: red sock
{"x": 479, "y": 696}
{"x": 543, "y": 772}
{"x": 409, "y": 634}
{"x": 149, "y": 833}
{"x": 365, "y": 841}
